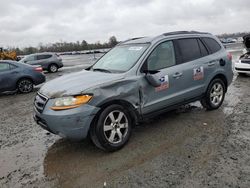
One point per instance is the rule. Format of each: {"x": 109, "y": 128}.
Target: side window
{"x": 189, "y": 49}
{"x": 31, "y": 58}
{"x": 163, "y": 56}
{"x": 4, "y": 67}
{"x": 203, "y": 49}
{"x": 39, "y": 57}
{"x": 212, "y": 44}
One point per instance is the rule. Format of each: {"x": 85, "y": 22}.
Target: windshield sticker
{"x": 164, "y": 83}
{"x": 198, "y": 73}
{"x": 135, "y": 48}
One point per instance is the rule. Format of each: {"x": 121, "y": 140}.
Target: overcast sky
{"x": 29, "y": 22}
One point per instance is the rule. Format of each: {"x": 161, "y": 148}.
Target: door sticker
{"x": 198, "y": 73}
{"x": 164, "y": 83}
{"x": 135, "y": 48}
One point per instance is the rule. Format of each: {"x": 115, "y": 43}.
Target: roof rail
{"x": 183, "y": 32}
{"x": 130, "y": 39}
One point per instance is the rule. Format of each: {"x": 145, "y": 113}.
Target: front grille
{"x": 40, "y": 102}
{"x": 245, "y": 61}
{"x": 240, "y": 69}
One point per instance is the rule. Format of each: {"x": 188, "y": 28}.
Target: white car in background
{"x": 243, "y": 65}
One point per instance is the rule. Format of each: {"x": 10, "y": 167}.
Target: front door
{"x": 162, "y": 63}
{"x": 5, "y": 77}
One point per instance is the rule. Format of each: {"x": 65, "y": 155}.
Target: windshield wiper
{"x": 102, "y": 70}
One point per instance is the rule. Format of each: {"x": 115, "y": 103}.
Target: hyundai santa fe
{"x": 137, "y": 79}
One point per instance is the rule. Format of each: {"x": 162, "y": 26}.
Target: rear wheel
{"x": 53, "y": 68}
{"x": 214, "y": 95}
{"x": 25, "y": 85}
{"x": 112, "y": 129}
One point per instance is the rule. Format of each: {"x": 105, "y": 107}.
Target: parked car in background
{"x": 16, "y": 76}
{"x": 243, "y": 65}
{"x": 137, "y": 79}
{"x": 49, "y": 61}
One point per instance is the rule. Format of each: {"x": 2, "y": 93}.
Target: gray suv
{"x": 49, "y": 61}
{"x": 137, "y": 79}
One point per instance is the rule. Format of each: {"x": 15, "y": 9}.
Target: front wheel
{"x": 112, "y": 130}
{"x": 214, "y": 96}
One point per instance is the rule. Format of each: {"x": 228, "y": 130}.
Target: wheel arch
{"x": 222, "y": 77}
{"x": 130, "y": 108}
{"x": 24, "y": 77}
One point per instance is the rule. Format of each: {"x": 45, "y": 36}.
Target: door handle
{"x": 211, "y": 63}
{"x": 177, "y": 75}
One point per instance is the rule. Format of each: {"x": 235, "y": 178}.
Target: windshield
{"x": 28, "y": 58}
{"x": 121, "y": 58}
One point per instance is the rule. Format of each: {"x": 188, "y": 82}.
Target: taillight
{"x": 38, "y": 69}
{"x": 229, "y": 56}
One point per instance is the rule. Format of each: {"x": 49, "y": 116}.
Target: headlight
{"x": 70, "y": 102}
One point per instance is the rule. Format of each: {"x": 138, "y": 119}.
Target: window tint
{"x": 4, "y": 67}
{"x": 212, "y": 44}
{"x": 163, "y": 56}
{"x": 39, "y": 57}
{"x": 203, "y": 48}
{"x": 189, "y": 49}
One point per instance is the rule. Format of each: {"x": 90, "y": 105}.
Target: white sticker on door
{"x": 198, "y": 73}
{"x": 164, "y": 83}
{"x": 135, "y": 48}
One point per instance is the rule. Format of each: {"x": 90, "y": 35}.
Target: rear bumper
{"x": 39, "y": 79}
{"x": 60, "y": 64}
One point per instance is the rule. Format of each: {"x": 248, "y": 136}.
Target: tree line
{"x": 66, "y": 47}
{"x": 233, "y": 35}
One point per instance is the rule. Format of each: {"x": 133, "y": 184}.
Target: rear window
{"x": 212, "y": 44}
{"x": 39, "y": 57}
{"x": 189, "y": 49}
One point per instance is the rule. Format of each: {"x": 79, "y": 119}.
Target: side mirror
{"x": 151, "y": 75}
{"x": 153, "y": 79}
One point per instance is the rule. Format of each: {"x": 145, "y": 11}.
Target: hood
{"x": 246, "y": 41}
{"x": 76, "y": 83}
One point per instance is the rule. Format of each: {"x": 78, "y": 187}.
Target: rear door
{"x": 193, "y": 61}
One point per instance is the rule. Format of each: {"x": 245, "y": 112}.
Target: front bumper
{"x": 73, "y": 123}
{"x": 242, "y": 67}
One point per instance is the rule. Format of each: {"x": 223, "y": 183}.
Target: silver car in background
{"x": 49, "y": 61}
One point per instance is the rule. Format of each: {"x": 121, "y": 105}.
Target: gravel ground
{"x": 188, "y": 147}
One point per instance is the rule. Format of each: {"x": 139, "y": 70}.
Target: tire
{"x": 215, "y": 95}
{"x": 25, "y": 85}
{"x": 53, "y": 68}
{"x": 112, "y": 128}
